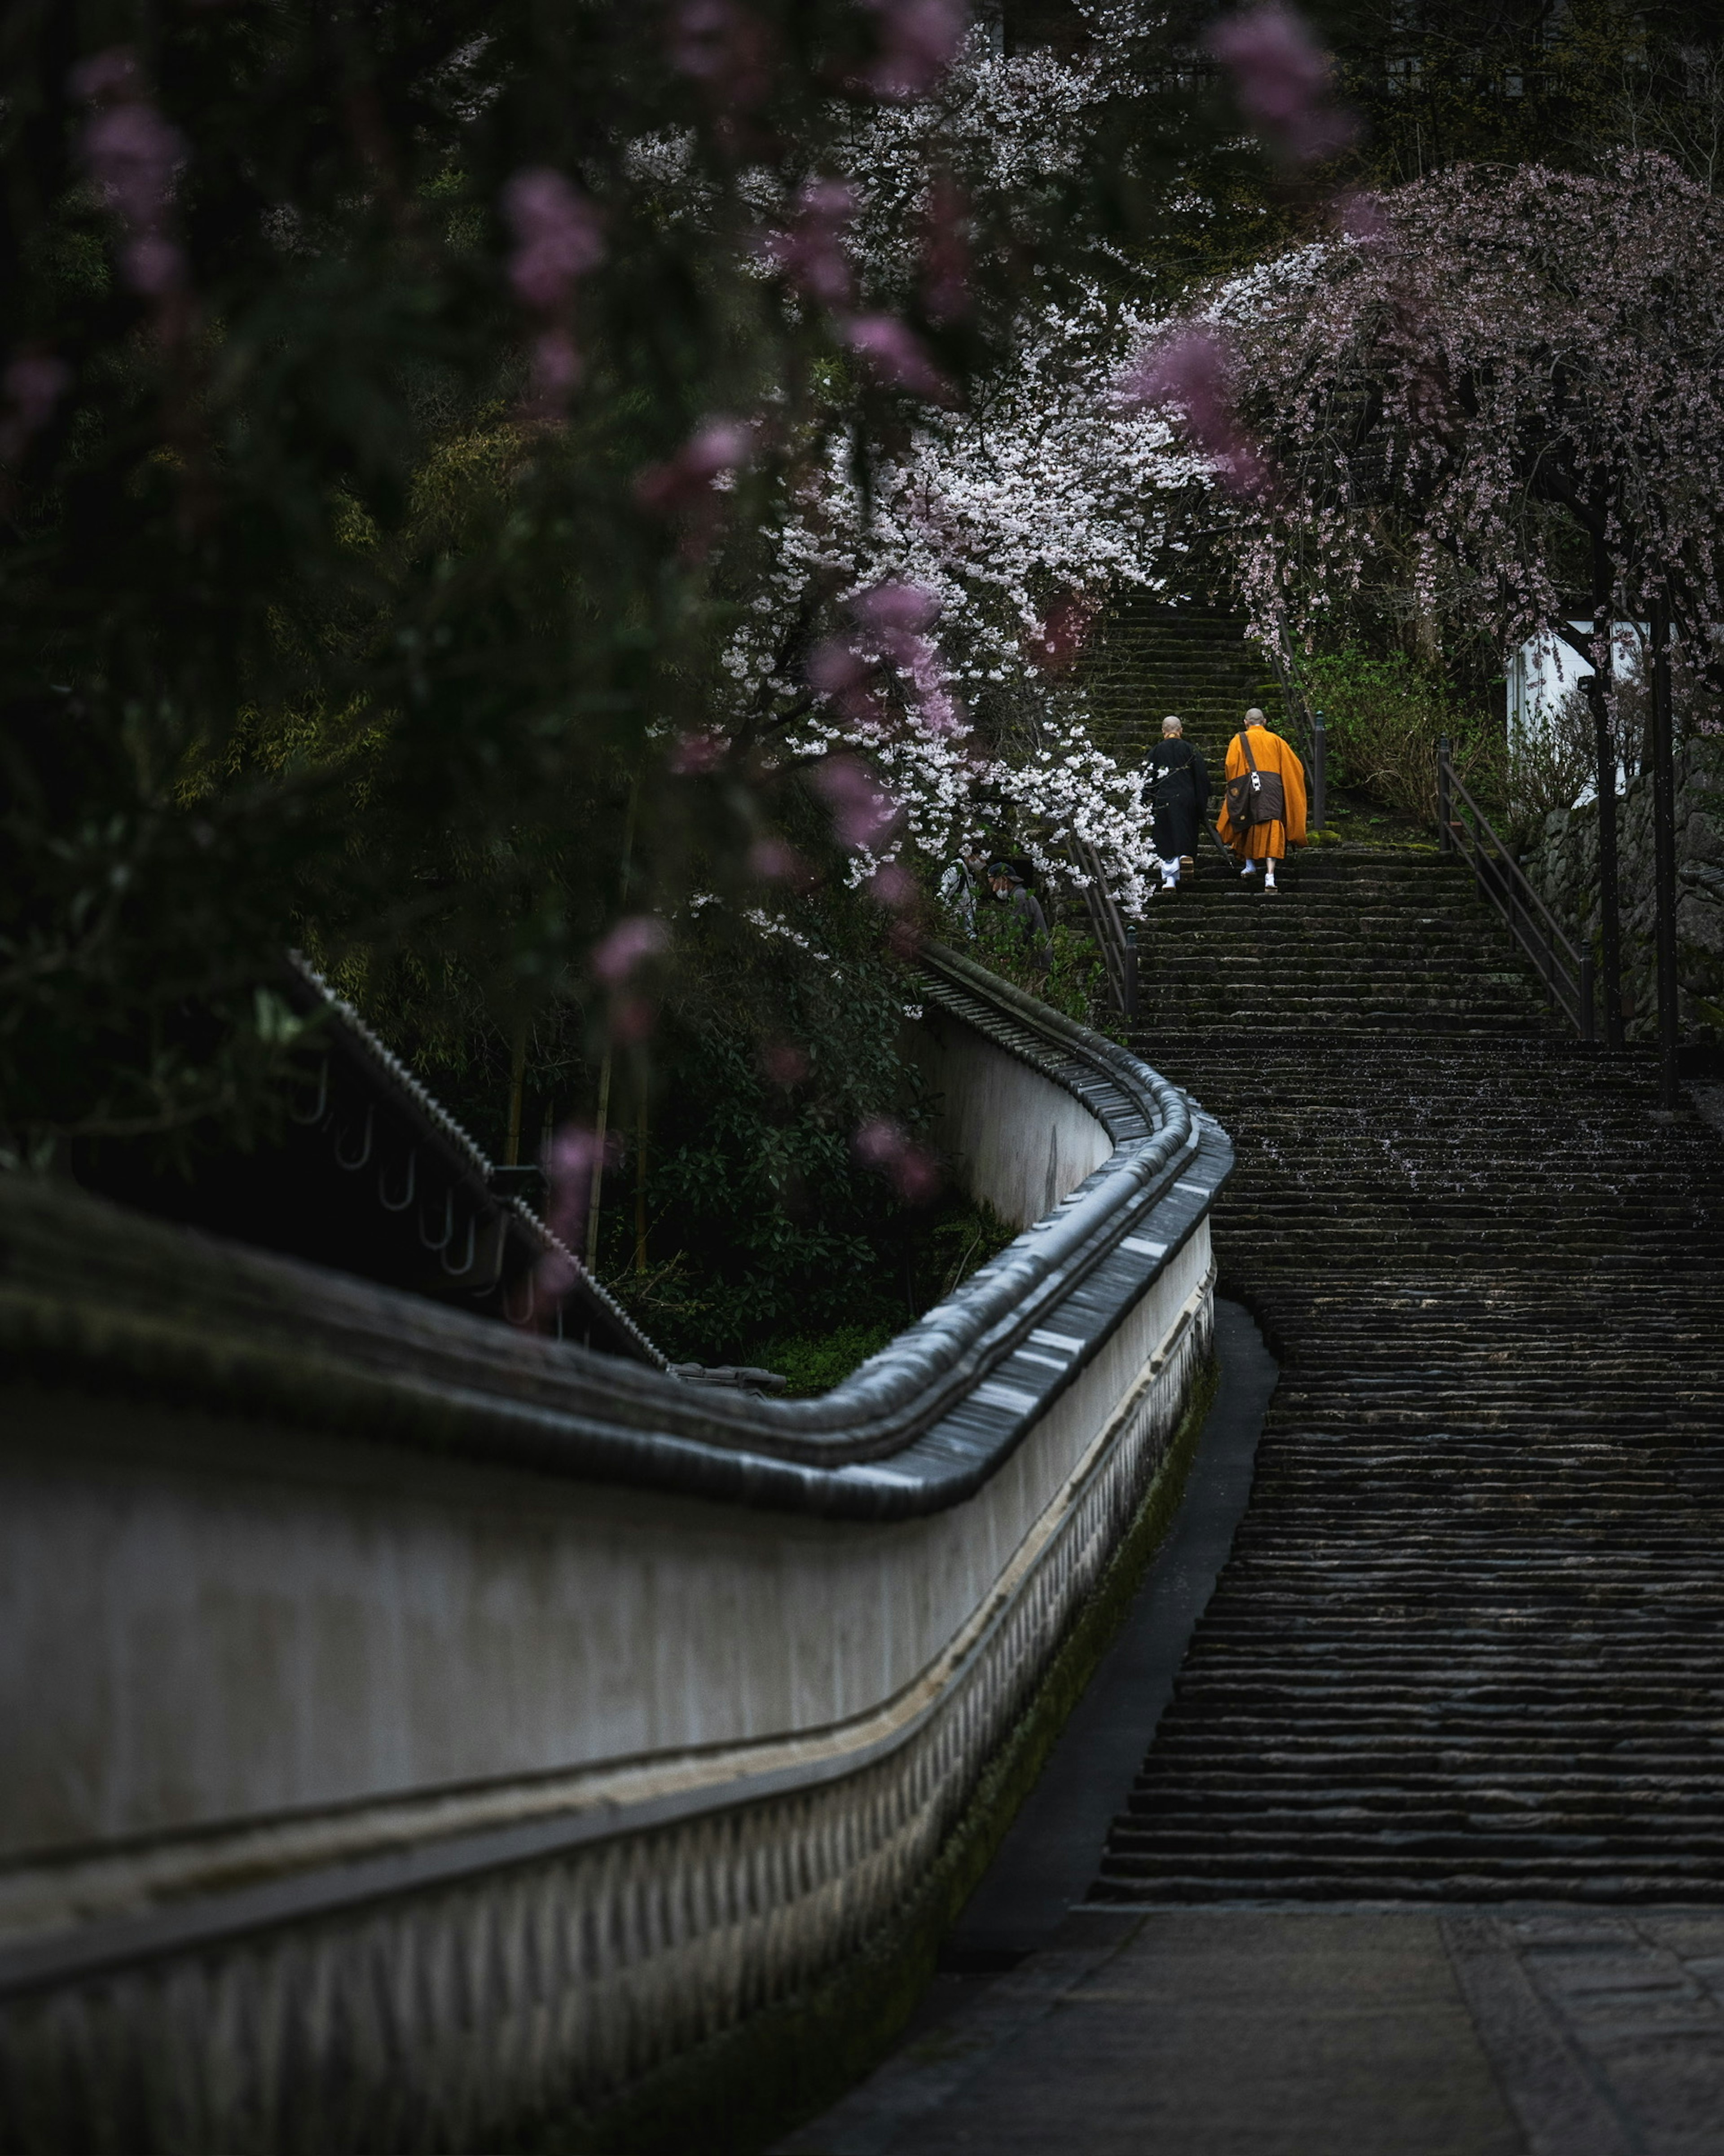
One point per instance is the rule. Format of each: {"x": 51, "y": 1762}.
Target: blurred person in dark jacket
{"x": 1012, "y": 892}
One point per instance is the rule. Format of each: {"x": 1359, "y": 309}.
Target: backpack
{"x": 1255, "y": 796}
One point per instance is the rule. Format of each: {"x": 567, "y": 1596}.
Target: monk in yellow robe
{"x": 1271, "y": 810}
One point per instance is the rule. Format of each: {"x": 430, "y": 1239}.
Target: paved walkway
{"x": 1319, "y": 2032}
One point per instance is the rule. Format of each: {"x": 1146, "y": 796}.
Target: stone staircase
{"x": 1146, "y": 660}
{"x": 1469, "y": 1644}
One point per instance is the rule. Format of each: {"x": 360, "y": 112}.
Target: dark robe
{"x": 1178, "y": 798}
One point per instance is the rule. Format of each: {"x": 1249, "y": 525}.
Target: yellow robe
{"x": 1261, "y": 841}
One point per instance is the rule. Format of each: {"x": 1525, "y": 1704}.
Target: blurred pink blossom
{"x": 1063, "y": 633}
{"x": 945, "y": 254}
{"x": 632, "y": 1019}
{"x": 559, "y": 237}
{"x": 919, "y": 40}
{"x": 34, "y": 383}
{"x": 862, "y": 811}
{"x": 640, "y": 936}
{"x": 153, "y": 265}
{"x": 775, "y": 862}
{"x": 726, "y": 46}
{"x": 1362, "y": 217}
{"x": 556, "y": 368}
{"x": 896, "y": 616}
{"x": 896, "y": 610}
{"x": 1282, "y": 81}
{"x": 135, "y": 158}
{"x": 683, "y": 481}
{"x": 784, "y": 1063}
{"x": 1194, "y": 371}
{"x": 571, "y": 1160}
{"x": 835, "y": 669}
{"x": 812, "y": 253}
{"x": 891, "y": 886}
{"x": 896, "y": 354}
{"x": 882, "y": 1143}
{"x": 106, "y": 76}
{"x": 694, "y": 753}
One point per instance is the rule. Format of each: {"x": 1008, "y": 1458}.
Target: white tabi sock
{"x": 1250, "y": 869}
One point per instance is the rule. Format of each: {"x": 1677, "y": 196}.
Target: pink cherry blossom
{"x": 633, "y": 941}
{"x": 1512, "y": 342}
{"x": 1194, "y": 371}
{"x": 1282, "y": 81}
{"x": 896, "y": 612}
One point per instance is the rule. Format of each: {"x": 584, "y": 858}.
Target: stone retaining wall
{"x": 418, "y": 1730}
{"x": 1563, "y": 869}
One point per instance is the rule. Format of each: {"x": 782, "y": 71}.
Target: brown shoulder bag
{"x": 1255, "y": 796}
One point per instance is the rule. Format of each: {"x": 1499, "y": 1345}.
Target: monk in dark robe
{"x": 1178, "y": 790}
{"x": 1265, "y": 783}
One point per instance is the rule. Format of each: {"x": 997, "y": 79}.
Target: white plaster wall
{"x": 1021, "y": 1141}
{"x": 206, "y": 1622}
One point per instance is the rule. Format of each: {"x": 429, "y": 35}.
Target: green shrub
{"x": 941, "y": 1247}
{"x": 1385, "y": 717}
{"x": 1075, "y": 983}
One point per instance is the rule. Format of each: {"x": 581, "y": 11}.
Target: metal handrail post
{"x": 1319, "y": 770}
{"x": 1445, "y": 836}
{"x": 1588, "y": 1032}
{"x": 1664, "y": 852}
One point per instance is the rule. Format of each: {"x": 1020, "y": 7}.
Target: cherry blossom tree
{"x": 1502, "y": 371}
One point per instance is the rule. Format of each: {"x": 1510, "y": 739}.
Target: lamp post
{"x": 1610, "y": 916}
{"x": 1664, "y": 851}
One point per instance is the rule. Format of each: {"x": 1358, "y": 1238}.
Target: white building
{"x": 1546, "y": 669}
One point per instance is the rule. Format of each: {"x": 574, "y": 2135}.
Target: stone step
{"x": 1470, "y": 1642}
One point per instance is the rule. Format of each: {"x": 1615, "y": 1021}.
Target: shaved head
{"x": 1171, "y": 724}
{"x": 1254, "y": 717}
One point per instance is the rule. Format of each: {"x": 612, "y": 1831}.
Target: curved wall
{"x": 671, "y": 1708}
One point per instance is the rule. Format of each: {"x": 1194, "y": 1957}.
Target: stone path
{"x": 1320, "y": 2032}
